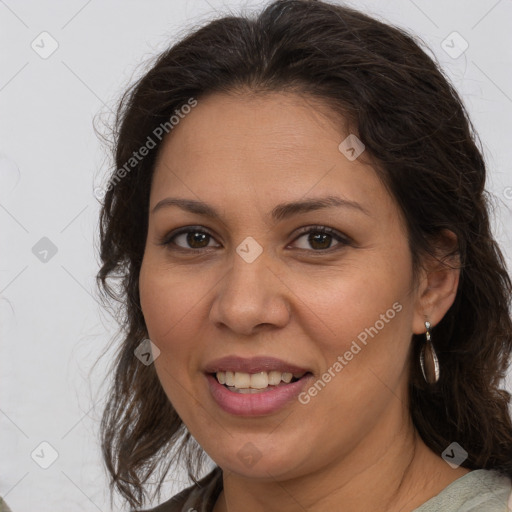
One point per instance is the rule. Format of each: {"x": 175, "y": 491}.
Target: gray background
{"x": 52, "y": 328}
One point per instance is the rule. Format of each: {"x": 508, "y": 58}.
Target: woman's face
{"x": 261, "y": 280}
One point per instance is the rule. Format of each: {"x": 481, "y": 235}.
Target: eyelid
{"x": 340, "y": 237}
{"x": 323, "y": 229}
{"x": 166, "y": 239}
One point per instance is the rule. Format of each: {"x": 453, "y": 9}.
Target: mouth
{"x": 258, "y": 382}
{"x": 255, "y": 386}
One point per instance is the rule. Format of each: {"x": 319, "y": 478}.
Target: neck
{"x": 390, "y": 470}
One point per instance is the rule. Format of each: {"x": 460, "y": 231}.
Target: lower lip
{"x": 255, "y": 404}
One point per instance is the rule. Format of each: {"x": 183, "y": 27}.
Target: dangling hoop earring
{"x": 428, "y": 359}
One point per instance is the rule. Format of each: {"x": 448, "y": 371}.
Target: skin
{"x": 300, "y": 301}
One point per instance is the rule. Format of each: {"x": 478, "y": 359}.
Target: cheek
{"x": 361, "y": 328}
{"x": 356, "y": 301}
{"x": 171, "y": 307}
{"x": 167, "y": 297}
{"x": 170, "y": 304}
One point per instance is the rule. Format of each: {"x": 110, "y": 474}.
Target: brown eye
{"x": 196, "y": 239}
{"x": 190, "y": 239}
{"x": 320, "y": 238}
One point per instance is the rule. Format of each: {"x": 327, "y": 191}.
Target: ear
{"x": 438, "y": 282}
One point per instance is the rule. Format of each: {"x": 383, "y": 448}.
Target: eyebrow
{"x": 279, "y": 212}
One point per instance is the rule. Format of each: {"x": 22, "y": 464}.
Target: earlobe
{"x": 439, "y": 283}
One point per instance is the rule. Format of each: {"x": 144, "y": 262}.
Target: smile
{"x": 253, "y": 402}
{"x": 242, "y": 382}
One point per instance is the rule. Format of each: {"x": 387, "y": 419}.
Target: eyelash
{"x": 342, "y": 239}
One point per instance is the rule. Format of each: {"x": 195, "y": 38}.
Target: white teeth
{"x": 261, "y": 380}
{"x": 287, "y": 377}
{"x": 230, "y": 379}
{"x": 242, "y": 380}
{"x": 274, "y": 378}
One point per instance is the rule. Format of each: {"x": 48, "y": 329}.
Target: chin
{"x": 265, "y": 464}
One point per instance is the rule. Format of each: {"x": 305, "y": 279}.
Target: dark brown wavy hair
{"x": 414, "y": 126}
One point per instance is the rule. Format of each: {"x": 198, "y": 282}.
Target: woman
{"x": 312, "y": 293}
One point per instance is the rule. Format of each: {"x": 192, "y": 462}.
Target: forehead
{"x": 278, "y": 146}
{"x": 255, "y": 123}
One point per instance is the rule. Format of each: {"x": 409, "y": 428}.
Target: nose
{"x": 251, "y": 297}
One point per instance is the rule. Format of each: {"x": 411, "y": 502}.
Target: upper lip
{"x": 252, "y": 365}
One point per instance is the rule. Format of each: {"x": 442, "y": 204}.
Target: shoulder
{"x": 200, "y": 497}
{"x": 481, "y": 490}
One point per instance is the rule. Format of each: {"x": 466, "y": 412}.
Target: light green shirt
{"x": 480, "y": 490}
